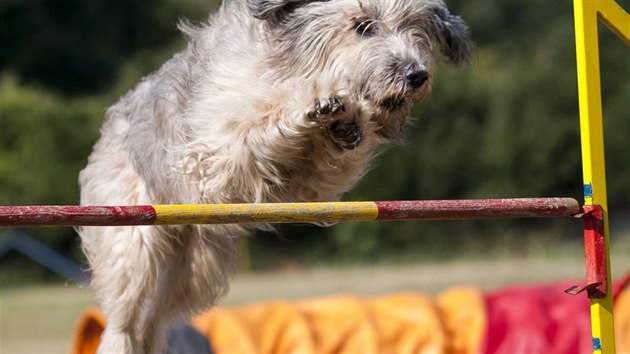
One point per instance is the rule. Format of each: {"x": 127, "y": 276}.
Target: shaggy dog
{"x": 271, "y": 101}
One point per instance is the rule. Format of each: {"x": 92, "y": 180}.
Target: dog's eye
{"x": 366, "y": 27}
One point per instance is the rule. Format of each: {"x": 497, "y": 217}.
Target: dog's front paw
{"x": 346, "y": 133}
{"x": 323, "y": 111}
{"x": 341, "y": 127}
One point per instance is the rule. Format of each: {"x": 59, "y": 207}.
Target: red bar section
{"x": 477, "y": 209}
{"x": 53, "y": 215}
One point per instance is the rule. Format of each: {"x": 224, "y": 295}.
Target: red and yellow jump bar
{"x": 41, "y": 216}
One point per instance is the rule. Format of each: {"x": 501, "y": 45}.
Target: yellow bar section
{"x": 616, "y": 18}
{"x": 592, "y": 133}
{"x": 265, "y": 213}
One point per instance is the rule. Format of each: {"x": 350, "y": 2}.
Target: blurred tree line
{"x": 507, "y": 126}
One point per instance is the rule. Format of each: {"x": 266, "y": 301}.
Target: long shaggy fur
{"x": 271, "y": 101}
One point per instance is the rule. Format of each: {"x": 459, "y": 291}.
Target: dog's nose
{"x": 416, "y": 78}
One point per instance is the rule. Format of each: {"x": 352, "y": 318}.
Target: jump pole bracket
{"x": 595, "y": 253}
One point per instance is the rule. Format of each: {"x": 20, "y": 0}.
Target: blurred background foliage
{"x": 507, "y": 126}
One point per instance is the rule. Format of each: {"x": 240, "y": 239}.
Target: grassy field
{"x": 40, "y": 319}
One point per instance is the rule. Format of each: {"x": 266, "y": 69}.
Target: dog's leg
{"x": 125, "y": 261}
{"x": 165, "y": 307}
{"x": 122, "y": 281}
{"x": 158, "y": 312}
{"x": 194, "y": 276}
{"x": 154, "y": 324}
{"x": 119, "y": 303}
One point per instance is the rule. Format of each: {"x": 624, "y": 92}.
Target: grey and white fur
{"x": 271, "y": 101}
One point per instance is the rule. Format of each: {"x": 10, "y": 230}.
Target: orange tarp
{"x": 401, "y": 323}
{"x": 622, "y": 322}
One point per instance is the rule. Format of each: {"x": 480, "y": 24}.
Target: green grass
{"x": 41, "y": 319}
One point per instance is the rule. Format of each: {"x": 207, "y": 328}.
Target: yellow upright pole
{"x": 587, "y": 14}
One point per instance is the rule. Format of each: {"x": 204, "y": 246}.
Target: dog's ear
{"x": 264, "y": 9}
{"x": 275, "y": 9}
{"x": 452, "y": 35}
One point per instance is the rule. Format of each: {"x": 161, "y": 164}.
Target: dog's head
{"x": 382, "y": 50}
